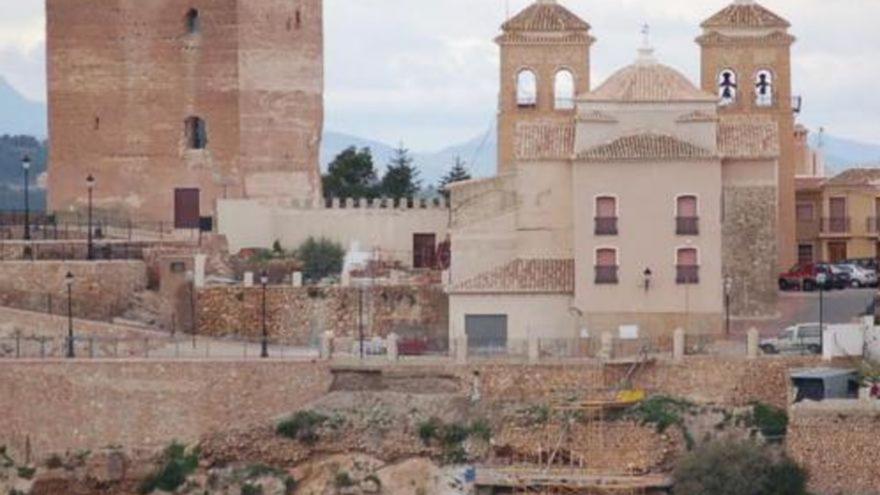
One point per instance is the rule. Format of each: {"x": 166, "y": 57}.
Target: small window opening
{"x": 298, "y": 19}
{"x": 564, "y": 90}
{"x": 727, "y": 87}
{"x": 193, "y": 24}
{"x": 526, "y": 89}
{"x": 196, "y": 133}
{"x": 764, "y": 88}
{"x": 97, "y": 124}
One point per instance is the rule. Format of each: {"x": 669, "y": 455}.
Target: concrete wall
{"x": 301, "y": 314}
{"x": 648, "y": 241}
{"x": 101, "y": 289}
{"x": 124, "y": 76}
{"x": 59, "y": 406}
{"x": 251, "y": 224}
{"x": 547, "y": 316}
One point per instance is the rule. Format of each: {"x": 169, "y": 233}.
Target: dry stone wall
{"x": 299, "y": 315}
{"x": 101, "y": 290}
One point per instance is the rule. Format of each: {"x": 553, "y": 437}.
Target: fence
{"x": 71, "y": 251}
{"x": 66, "y": 226}
{"x": 152, "y": 347}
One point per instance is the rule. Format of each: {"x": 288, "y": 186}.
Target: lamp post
{"x": 68, "y": 280}
{"x": 26, "y": 167}
{"x": 728, "y": 289}
{"x": 821, "y": 280}
{"x": 648, "y": 277}
{"x": 191, "y": 284}
{"x": 264, "y": 281}
{"x": 90, "y": 185}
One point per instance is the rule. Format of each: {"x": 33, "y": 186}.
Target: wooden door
{"x": 837, "y": 214}
{"x": 424, "y": 250}
{"x": 836, "y": 252}
{"x": 186, "y": 209}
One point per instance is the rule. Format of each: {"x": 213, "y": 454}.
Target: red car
{"x": 804, "y": 277}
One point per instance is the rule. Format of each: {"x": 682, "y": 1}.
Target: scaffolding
{"x": 554, "y": 465}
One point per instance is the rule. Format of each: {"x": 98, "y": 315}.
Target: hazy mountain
{"x": 841, "y": 154}
{"x": 18, "y": 115}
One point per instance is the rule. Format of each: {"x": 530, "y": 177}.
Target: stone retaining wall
{"x": 101, "y": 290}
{"x": 54, "y": 406}
{"x": 301, "y": 314}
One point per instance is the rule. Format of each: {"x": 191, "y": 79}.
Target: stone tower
{"x": 172, "y": 104}
{"x": 545, "y": 64}
{"x": 746, "y": 61}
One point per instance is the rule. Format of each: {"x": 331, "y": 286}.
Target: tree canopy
{"x": 351, "y": 175}
{"x": 401, "y": 179}
{"x": 458, "y": 173}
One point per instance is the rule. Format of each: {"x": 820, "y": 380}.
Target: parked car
{"x": 859, "y": 276}
{"x": 840, "y": 278}
{"x": 797, "y": 338}
{"x": 805, "y": 278}
{"x": 868, "y": 263}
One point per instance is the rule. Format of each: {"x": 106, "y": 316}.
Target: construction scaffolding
{"x": 554, "y": 460}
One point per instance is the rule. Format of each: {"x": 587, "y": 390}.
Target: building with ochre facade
{"x": 172, "y": 105}
{"x": 634, "y": 205}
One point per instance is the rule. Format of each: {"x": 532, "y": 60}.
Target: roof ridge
{"x": 746, "y": 14}
{"x": 545, "y": 16}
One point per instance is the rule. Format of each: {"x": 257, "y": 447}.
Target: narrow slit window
{"x": 196, "y": 133}
{"x": 192, "y": 22}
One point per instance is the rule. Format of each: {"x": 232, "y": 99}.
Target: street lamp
{"x": 191, "y": 284}
{"x": 264, "y": 281}
{"x": 26, "y": 167}
{"x": 821, "y": 280}
{"x": 90, "y": 185}
{"x": 648, "y": 277}
{"x": 68, "y": 280}
{"x": 728, "y": 289}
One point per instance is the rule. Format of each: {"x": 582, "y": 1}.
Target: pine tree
{"x": 457, "y": 173}
{"x": 351, "y": 175}
{"x": 401, "y": 179}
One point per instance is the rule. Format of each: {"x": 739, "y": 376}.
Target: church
{"x": 636, "y": 206}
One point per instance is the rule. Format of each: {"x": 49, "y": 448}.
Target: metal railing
{"x": 71, "y": 251}
{"x": 687, "y": 275}
{"x": 836, "y": 225}
{"x": 606, "y": 226}
{"x": 607, "y": 275}
{"x": 687, "y": 226}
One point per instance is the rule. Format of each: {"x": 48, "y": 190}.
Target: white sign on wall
{"x": 629, "y": 332}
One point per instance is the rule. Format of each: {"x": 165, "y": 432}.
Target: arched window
{"x": 196, "y": 133}
{"x": 526, "y": 88}
{"x": 606, "y": 215}
{"x": 606, "y": 266}
{"x": 728, "y": 88}
{"x": 687, "y": 215}
{"x": 192, "y": 22}
{"x": 687, "y": 266}
{"x": 563, "y": 90}
{"x": 764, "y": 88}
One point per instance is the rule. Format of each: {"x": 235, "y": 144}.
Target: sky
{"x": 425, "y": 73}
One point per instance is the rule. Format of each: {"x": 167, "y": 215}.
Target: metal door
{"x": 186, "y": 208}
{"x": 486, "y": 333}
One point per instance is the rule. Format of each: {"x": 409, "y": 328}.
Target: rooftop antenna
{"x": 821, "y": 142}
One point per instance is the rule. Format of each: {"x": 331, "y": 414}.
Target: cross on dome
{"x": 646, "y": 52}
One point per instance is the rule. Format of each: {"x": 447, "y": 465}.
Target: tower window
{"x": 196, "y": 133}
{"x": 192, "y": 22}
{"x": 298, "y": 19}
{"x": 764, "y": 88}
{"x": 563, "y": 90}
{"x": 526, "y": 89}
{"x": 727, "y": 87}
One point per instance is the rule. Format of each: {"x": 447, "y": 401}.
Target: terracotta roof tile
{"x": 748, "y": 137}
{"x": 645, "y": 146}
{"x": 545, "y": 15}
{"x": 746, "y": 14}
{"x": 856, "y": 177}
{"x": 523, "y": 276}
{"x": 545, "y": 140}
{"x": 648, "y": 82}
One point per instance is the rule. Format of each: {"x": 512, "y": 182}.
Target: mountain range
{"x": 20, "y": 116}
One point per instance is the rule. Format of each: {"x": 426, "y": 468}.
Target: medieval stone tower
{"x": 746, "y": 61}
{"x": 172, "y": 104}
{"x": 545, "y": 64}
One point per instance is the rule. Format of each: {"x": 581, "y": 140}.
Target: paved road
{"x": 803, "y": 307}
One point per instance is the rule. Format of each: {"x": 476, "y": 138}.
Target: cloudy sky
{"x": 425, "y": 72}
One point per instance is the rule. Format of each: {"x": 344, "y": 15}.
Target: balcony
{"x": 606, "y": 226}
{"x": 687, "y": 275}
{"x": 606, "y": 275}
{"x": 836, "y": 225}
{"x": 872, "y": 225}
{"x": 687, "y": 226}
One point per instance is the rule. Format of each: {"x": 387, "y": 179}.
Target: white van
{"x": 806, "y": 337}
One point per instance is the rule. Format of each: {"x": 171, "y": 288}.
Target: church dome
{"x": 648, "y": 81}
{"x": 545, "y": 16}
{"x": 745, "y": 14}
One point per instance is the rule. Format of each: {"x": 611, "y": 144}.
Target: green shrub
{"x": 321, "y": 258}
{"x": 249, "y": 489}
{"x": 453, "y": 434}
{"x": 771, "y": 421}
{"x": 343, "y": 480}
{"x": 289, "y": 485}
{"x": 259, "y": 470}
{"x": 737, "y": 468}
{"x": 661, "y": 411}
{"x": 54, "y": 461}
{"x": 428, "y": 430}
{"x": 481, "y": 429}
{"x": 302, "y": 426}
{"x": 26, "y": 472}
{"x": 177, "y": 465}
{"x": 537, "y": 414}
{"x": 5, "y": 460}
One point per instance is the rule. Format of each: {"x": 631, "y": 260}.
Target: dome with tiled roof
{"x": 544, "y": 16}
{"x": 648, "y": 81}
{"x": 746, "y": 14}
